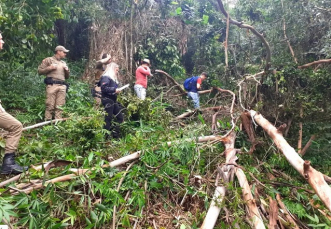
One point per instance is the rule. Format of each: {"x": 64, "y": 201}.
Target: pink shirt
{"x": 141, "y": 75}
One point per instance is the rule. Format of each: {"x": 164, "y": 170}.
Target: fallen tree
{"x": 314, "y": 177}
{"x": 226, "y": 173}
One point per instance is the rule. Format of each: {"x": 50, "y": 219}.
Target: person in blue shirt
{"x": 109, "y": 91}
{"x": 193, "y": 91}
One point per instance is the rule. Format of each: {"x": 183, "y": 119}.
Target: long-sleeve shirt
{"x": 108, "y": 88}
{"x": 57, "y": 74}
{"x": 100, "y": 67}
{"x": 141, "y": 75}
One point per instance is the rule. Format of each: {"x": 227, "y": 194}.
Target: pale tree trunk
{"x": 253, "y": 212}
{"x": 300, "y": 131}
{"x": 226, "y": 172}
{"x": 214, "y": 209}
{"x": 314, "y": 177}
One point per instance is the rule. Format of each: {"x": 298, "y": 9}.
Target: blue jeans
{"x": 195, "y": 97}
{"x": 140, "y": 91}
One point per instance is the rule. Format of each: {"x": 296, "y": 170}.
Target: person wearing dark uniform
{"x": 109, "y": 90}
{"x": 101, "y": 66}
{"x": 14, "y": 128}
{"x": 56, "y": 71}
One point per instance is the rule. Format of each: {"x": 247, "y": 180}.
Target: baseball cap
{"x": 146, "y": 61}
{"x": 61, "y": 48}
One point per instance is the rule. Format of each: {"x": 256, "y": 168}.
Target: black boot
{"x": 9, "y": 165}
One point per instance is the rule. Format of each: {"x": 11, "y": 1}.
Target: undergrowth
{"x": 161, "y": 186}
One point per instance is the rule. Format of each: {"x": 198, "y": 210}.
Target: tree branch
{"x": 314, "y": 63}
{"x": 173, "y": 81}
{"x": 303, "y": 151}
{"x": 251, "y": 28}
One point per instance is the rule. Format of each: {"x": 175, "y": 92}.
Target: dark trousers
{"x": 114, "y": 110}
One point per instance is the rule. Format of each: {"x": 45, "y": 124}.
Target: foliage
{"x": 181, "y": 37}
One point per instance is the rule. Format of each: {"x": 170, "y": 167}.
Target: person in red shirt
{"x": 142, "y": 72}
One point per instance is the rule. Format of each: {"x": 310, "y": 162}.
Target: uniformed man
{"x": 100, "y": 68}
{"x": 14, "y": 128}
{"x": 56, "y": 71}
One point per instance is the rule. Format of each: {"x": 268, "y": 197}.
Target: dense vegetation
{"x": 184, "y": 37}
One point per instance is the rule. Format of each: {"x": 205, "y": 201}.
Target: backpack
{"x": 188, "y": 83}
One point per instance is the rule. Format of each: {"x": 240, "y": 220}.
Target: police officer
{"x": 56, "y": 71}
{"x": 14, "y": 128}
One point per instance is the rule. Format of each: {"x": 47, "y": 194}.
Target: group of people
{"x": 106, "y": 91}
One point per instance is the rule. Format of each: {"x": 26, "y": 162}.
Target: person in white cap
{"x": 56, "y": 71}
{"x": 142, "y": 72}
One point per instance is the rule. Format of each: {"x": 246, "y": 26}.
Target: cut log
{"x": 226, "y": 173}
{"x": 314, "y": 177}
{"x": 214, "y": 209}
{"x": 253, "y": 212}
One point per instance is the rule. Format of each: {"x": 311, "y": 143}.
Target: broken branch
{"x": 314, "y": 63}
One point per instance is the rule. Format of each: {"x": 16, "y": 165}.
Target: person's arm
{"x": 46, "y": 67}
{"x": 108, "y": 86}
{"x": 103, "y": 61}
{"x": 199, "y": 81}
{"x": 144, "y": 71}
{"x": 66, "y": 71}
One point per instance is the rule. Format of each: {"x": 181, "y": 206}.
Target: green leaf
{"x": 179, "y": 11}
{"x": 205, "y": 19}
{"x": 90, "y": 157}
{"x": 94, "y": 217}
{"x": 126, "y": 221}
{"x": 102, "y": 207}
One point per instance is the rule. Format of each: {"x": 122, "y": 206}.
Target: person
{"x": 56, "y": 71}
{"x": 100, "y": 68}
{"x": 142, "y": 72}
{"x": 195, "y": 85}
{"x": 109, "y": 90}
{"x": 14, "y": 128}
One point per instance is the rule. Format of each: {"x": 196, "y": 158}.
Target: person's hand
{"x": 53, "y": 66}
{"x": 151, "y": 74}
{"x": 66, "y": 68}
{"x": 108, "y": 57}
{"x": 117, "y": 91}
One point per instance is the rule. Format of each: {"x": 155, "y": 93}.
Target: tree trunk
{"x": 253, "y": 212}
{"x": 214, "y": 209}
{"x": 314, "y": 177}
